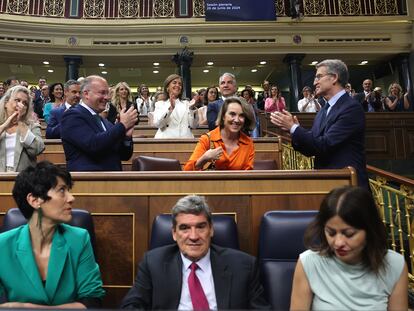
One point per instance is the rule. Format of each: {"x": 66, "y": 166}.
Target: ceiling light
{"x": 155, "y": 71}
{"x": 254, "y": 70}
{"x": 364, "y": 62}
{"x": 210, "y": 63}
{"x": 101, "y": 65}
{"x": 50, "y": 70}
{"x": 156, "y": 64}
{"x": 45, "y": 62}
{"x": 314, "y": 62}
{"x": 206, "y": 70}
{"x": 263, "y": 62}
{"x": 104, "y": 72}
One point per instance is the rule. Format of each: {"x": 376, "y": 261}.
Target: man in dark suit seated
{"x": 228, "y": 88}
{"x": 92, "y": 143}
{"x": 194, "y": 274}
{"x": 337, "y": 137}
{"x": 72, "y": 97}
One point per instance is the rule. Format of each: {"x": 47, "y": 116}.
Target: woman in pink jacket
{"x": 276, "y": 102}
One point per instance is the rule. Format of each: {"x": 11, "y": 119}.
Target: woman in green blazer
{"x": 46, "y": 262}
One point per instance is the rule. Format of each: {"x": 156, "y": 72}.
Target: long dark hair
{"x": 51, "y": 90}
{"x": 357, "y": 208}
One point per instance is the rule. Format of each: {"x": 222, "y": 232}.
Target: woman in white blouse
{"x": 20, "y": 136}
{"x": 308, "y": 103}
{"x": 174, "y": 117}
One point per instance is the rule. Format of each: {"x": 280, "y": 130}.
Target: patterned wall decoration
{"x": 93, "y": 8}
{"x": 386, "y": 7}
{"x": 314, "y": 7}
{"x": 18, "y": 6}
{"x": 349, "y": 7}
{"x": 280, "y": 8}
{"x": 54, "y": 8}
{"x": 198, "y": 8}
{"x": 110, "y": 9}
{"x": 128, "y": 8}
{"x": 163, "y": 8}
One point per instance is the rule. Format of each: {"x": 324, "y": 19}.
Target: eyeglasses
{"x": 320, "y": 76}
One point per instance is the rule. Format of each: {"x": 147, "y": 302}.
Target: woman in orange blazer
{"x": 227, "y": 147}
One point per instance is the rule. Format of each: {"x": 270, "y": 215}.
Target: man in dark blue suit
{"x": 228, "y": 88}
{"x": 194, "y": 274}
{"x": 72, "y": 97}
{"x": 92, "y": 143}
{"x": 337, "y": 137}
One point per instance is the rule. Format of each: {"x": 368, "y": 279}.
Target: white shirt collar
{"x": 202, "y": 263}
{"x": 335, "y": 98}
{"x": 87, "y": 107}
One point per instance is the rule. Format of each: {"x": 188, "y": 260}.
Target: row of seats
{"x": 280, "y": 243}
{"x": 146, "y": 163}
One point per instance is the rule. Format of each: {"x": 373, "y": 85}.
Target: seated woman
{"x": 226, "y": 147}
{"x": 20, "y": 137}
{"x": 46, "y": 262}
{"x": 351, "y": 267}
{"x": 174, "y": 117}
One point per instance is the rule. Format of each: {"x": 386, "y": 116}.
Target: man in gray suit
{"x": 193, "y": 274}
{"x": 228, "y": 88}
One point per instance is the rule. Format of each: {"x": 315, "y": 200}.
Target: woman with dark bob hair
{"x": 46, "y": 262}
{"x": 348, "y": 265}
{"x": 227, "y": 147}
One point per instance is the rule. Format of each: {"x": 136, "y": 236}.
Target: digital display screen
{"x": 240, "y": 10}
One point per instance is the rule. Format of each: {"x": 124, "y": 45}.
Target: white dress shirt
{"x": 205, "y": 275}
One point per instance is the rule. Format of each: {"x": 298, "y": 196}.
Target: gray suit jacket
{"x": 159, "y": 280}
{"x": 24, "y": 154}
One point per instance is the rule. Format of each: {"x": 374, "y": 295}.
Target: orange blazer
{"x": 241, "y": 159}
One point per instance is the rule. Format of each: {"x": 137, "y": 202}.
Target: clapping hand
{"x": 283, "y": 119}
{"x": 128, "y": 118}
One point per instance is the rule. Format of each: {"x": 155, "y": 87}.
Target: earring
{"x": 39, "y": 217}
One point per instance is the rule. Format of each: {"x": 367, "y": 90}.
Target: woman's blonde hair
{"x": 115, "y": 100}
{"x": 399, "y": 88}
{"x": 11, "y": 93}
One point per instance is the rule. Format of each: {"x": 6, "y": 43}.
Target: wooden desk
{"x": 388, "y": 135}
{"x": 124, "y": 204}
{"x": 146, "y": 131}
{"x": 268, "y": 148}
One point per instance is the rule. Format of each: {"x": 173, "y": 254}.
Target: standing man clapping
{"x": 90, "y": 142}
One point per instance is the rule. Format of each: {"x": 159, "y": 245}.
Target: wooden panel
{"x": 389, "y": 135}
{"x": 180, "y": 149}
{"x": 146, "y": 131}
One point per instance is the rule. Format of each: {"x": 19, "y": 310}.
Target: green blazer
{"x": 72, "y": 272}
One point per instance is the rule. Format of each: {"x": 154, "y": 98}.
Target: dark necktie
{"x": 324, "y": 114}
{"x": 99, "y": 121}
{"x": 198, "y": 298}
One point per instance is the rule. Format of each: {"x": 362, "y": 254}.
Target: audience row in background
{"x": 270, "y": 99}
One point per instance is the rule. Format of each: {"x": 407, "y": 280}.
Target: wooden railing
{"x": 393, "y": 195}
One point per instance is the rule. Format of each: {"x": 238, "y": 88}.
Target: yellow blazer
{"x": 72, "y": 272}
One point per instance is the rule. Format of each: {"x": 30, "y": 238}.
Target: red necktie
{"x": 198, "y": 298}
